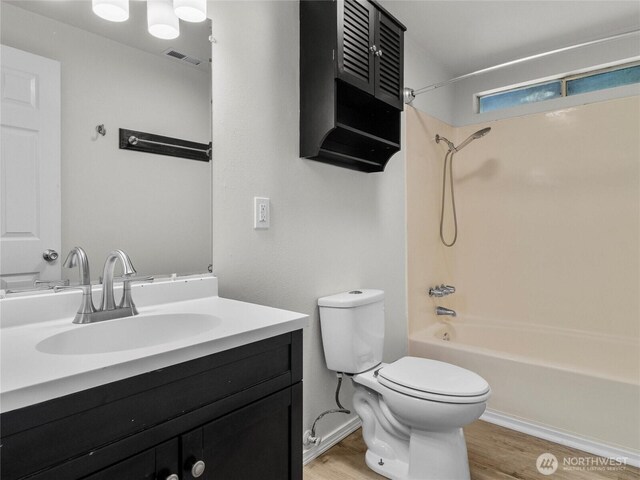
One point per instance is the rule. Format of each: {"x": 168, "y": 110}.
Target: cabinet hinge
{"x": 333, "y": 54}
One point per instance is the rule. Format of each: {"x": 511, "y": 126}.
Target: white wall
{"x": 156, "y": 208}
{"x": 421, "y": 70}
{"x": 332, "y": 229}
{"x": 463, "y": 110}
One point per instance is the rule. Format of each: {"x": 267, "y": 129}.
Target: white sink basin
{"x": 128, "y": 333}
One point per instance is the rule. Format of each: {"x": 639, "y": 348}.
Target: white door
{"x": 29, "y": 168}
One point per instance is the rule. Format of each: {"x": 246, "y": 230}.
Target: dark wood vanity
{"x": 236, "y": 413}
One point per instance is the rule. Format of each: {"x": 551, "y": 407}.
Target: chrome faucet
{"x": 445, "y": 311}
{"x": 78, "y": 258}
{"x": 108, "y": 308}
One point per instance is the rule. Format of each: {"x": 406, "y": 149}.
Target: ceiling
{"x": 193, "y": 40}
{"x": 464, "y": 36}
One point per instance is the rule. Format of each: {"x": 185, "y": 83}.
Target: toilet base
{"x": 395, "y": 469}
{"x": 433, "y": 456}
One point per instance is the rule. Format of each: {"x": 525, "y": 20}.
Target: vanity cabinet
{"x": 351, "y": 83}
{"x": 236, "y": 413}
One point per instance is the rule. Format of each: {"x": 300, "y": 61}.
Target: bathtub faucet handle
{"x": 441, "y": 291}
{"x": 436, "y": 292}
{"x": 448, "y": 289}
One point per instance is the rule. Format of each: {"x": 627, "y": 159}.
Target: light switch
{"x": 261, "y": 213}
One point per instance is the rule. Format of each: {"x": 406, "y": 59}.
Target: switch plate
{"x": 261, "y": 213}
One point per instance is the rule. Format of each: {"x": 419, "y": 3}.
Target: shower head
{"x": 472, "y": 137}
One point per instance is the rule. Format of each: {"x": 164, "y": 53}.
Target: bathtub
{"x": 575, "y": 388}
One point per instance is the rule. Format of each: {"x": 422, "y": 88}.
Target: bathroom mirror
{"x": 116, "y": 75}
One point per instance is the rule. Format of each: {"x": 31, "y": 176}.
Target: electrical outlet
{"x": 261, "y": 213}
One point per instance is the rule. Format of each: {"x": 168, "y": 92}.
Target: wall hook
{"x": 101, "y": 130}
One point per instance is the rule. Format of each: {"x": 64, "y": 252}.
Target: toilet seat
{"x": 433, "y": 380}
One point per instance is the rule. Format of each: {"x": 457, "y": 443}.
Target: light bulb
{"x": 190, "y": 10}
{"x": 161, "y": 20}
{"x": 112, "y": 10}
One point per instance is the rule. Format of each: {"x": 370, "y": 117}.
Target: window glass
{"x": 512, "y": 98}
{"x": 600, "y": 81}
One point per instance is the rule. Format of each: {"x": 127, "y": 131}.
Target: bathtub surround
{"x": 549, "y": 230}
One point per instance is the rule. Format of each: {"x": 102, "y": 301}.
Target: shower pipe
{"x": 409, "y": 93}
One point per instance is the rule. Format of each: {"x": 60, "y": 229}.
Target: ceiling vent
{"x": 181, "y": 56}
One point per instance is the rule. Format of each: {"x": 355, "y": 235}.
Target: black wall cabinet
{"x": 351, "y": 83}
{"x": 236, "y": 413}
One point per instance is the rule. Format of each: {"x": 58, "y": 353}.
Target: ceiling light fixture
{"x": 190, "y": 10}
{"x": 112, "y": 10}
{"x": 161, "y": 19}
{"x": 163, "y": 16}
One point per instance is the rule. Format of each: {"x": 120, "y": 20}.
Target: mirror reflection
{"x": 70, "y": 81}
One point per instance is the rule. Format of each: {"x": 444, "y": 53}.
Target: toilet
{"x": 413, "y": 409}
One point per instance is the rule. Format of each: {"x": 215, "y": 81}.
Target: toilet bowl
{"x": 416, "y": 433}
{"x": 413, "y": 409}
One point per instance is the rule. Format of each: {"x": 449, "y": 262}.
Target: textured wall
{"x": 332, "y": 229}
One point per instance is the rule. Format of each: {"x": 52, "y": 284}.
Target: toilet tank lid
{"x": 352, "y": 298}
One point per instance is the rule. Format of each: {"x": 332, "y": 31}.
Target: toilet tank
{"x": 352, "y": 325}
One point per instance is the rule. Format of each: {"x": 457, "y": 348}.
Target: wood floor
{"x": 495, "y": 453}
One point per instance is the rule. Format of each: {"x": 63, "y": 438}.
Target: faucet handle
{"x": 86, "y": 310}
{"x": 448, "y": 289}
{"x": 127, "y": 280}
{"x": 436, "y": 292}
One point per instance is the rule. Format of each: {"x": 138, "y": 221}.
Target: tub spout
{"x": 445, "y": 311}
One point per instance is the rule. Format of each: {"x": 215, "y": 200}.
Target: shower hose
{"x": 448, "y": 158}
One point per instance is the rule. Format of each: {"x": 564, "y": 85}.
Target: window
{"x": 562, "y": 87}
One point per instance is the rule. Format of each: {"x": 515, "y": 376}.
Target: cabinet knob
{"x": 373, "y": 48}
{"x": 173, "y": 476}
{"x": 378, "y": 53}
{"x": 197, "y": 469}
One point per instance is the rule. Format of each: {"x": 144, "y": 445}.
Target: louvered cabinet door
{"x": 356, "y": 36}
{"x": 389, "y": 62}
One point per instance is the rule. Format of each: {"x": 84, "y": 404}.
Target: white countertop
{"x": 29, "y": 376}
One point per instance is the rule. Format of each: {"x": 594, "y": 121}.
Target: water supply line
{"x": 310, "y": 437}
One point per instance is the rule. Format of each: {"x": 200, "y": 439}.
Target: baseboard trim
{"x": 331, "y": 439}
{"x": 563, "y": 438}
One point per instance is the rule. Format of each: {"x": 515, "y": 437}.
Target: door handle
{"x": 50, "y": 255}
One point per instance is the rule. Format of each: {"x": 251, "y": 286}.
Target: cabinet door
{"x": 252, "y": 443}
{"x": 389, "y": 61}
{"x": 167, "y": 460}
{"x": 356, "y": 37}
